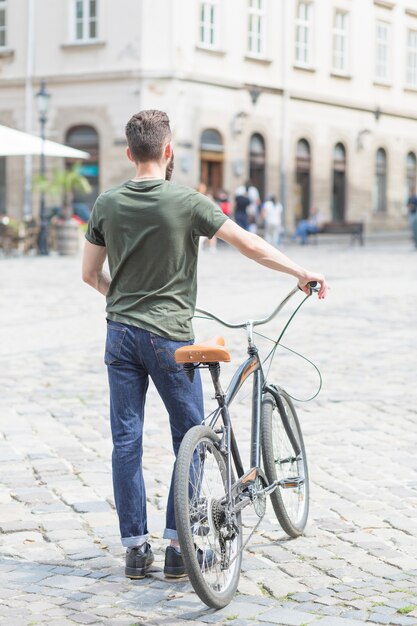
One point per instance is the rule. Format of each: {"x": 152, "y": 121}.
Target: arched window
{"x": 211, "y": 140}
{"x": 411, "y": 174}
{"x": 302, "y": 176}
{"x": 2, "y": 185}
{"x": 257, "y": 161}
{"x": 380, "y": 181}
{"x": 85, "y": 138}
{"x": 211, "y": 160}
{"x": 339, "y": 183}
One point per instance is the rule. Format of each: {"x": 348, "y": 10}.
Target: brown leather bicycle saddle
{"x": 210, "y": 351}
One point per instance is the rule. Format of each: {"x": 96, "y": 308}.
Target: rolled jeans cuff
{"x": 170, "y": 534}
{"x": 131, "y": 542}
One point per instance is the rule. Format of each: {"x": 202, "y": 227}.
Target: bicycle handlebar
{"x": 265, "y": 320}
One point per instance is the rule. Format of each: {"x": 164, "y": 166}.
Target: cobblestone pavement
{"x": 61, "y": 561}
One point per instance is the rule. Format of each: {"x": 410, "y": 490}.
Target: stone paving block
{"x": 84, "y": 618}
{"x": 339, "y": 621}
{"x": 287, "y": 617}
{"x": 302, "y": 597}
{"x": 379, "y": 618}
{"x": 403, "y": 621}
{"x": 91, "y": 507}
{"x": 67, "y": 582}
{"x": 19, "y": 526}
{"x": 246, "y": 610}
{"x": 54, "y": 507}
{"x": 248, "y": 587}
{"x": 359, "y": 616}
{"x": 299, "y": 570}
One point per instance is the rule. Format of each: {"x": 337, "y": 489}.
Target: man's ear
{"x": 129, "y": 155}
{"x": 168, "y": 150}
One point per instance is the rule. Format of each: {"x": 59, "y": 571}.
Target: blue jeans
{"x": 241, "y": 219}
{"x": 132, "y": 355}
{"x": 304, "y": 229}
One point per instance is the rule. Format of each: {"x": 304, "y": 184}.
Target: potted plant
{"x": 62, "y": 185}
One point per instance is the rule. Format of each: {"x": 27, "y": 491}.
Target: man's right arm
{"x": 263, "y": 253}
{"x": 93, "y": 261}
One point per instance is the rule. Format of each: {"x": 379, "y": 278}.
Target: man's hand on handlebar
{"x": 316, "y": 282}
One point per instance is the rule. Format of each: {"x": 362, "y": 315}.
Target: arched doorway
{"x": 380, "y": 181}
{"x": 339, "y": 183}
{"x": 411, "y": 174}
{"x": 257, "y": 163}
{"x": 85, "y": 138}
{"x": 211, "y": 160}
{"x": 302, "y": 177}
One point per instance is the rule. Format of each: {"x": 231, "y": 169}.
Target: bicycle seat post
{"x": 215, "y": 376}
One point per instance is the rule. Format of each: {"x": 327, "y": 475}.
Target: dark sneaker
{"x": 174, "y": 565}
{"x": 137, "y": 562}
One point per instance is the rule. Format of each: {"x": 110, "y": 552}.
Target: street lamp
{"x": 254, "y": 92}
{"x": 42, "y": 100}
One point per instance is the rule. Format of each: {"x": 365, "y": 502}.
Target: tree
{"x": 62, "y": 185}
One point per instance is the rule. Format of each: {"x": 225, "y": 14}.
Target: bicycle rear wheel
{"x": 211, "y": 545}
{"x": 290, "y": 499}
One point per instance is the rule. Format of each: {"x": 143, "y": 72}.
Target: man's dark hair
{"x": 146, "y": 133}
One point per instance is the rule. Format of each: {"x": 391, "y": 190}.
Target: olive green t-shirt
{"x": 151, "y": 230}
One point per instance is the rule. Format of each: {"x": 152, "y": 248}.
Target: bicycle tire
{"x": 199, "y": 485}
{"x": 290, "y": 503}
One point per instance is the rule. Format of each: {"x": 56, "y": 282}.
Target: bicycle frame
{"x": 252, "y": 366}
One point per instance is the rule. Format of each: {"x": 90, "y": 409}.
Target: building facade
{"x": 315, "y": 102}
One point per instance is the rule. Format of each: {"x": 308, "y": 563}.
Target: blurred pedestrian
{"x": 412, "y": 215}
{"x": 272, "y": 216}
{"x": 308, "y": 227}
{"x": 223, "y": 201}
{"x": 205, "y": 242}
{"x": 242, "y": 203}
{"x": 254, "y": 205}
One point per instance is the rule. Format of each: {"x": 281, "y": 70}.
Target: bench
{"x": 354, "y": 229}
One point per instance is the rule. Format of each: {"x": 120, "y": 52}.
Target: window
{"x": 211, "y": 160}
{"x": 257, "y": 162}
{"x": 383, "y": 51}
{"x": 340, "y": 41}
{"x": 86, "y": 20}
{"x": 3, "y": 32}
{"x": 411, "y": 166}
{"x": 302, "y": 177}
{"x": 2, "y": 185}
{"x": 209, "y": 24}
{"x": 339, "y": 183}
{"x": 381, "y": 181}
{"x": 412, "y": 58}
{"x": 303, "y": 34}
{"x": 85, "y": 138}
{"x": 256, "y": 27}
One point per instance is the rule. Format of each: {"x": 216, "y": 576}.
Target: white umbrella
{"x": 15, "y": 143}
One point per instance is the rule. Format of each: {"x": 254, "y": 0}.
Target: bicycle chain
{"x": 246, "y": 542}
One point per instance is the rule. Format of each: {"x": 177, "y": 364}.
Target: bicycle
{"x": 211, "y": 486}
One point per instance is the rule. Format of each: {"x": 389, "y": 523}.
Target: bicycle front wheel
{"x": 283, "y": 464}
{"x": 210, "y": 535}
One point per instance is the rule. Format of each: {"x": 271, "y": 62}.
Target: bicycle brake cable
{"x": 277, "y": 343}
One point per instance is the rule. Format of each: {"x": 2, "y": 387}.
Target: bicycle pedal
{"x": 291, "y": 483}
